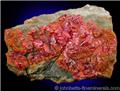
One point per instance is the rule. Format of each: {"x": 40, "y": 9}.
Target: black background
{"x": 14, "y": 13}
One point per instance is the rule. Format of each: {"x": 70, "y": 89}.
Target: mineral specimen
{"x": 69, "y": 45}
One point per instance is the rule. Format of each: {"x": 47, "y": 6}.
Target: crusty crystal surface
{"x": 66, "y": 46}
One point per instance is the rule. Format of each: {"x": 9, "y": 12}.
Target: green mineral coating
{"x": 68, "y": 74}
{"x": 55, "y": 71}
{"x": 56, "y": 78}
{"x": 26, "y": 55}
{"x": 51, "y": 70}
{"x": 103, "y": 23}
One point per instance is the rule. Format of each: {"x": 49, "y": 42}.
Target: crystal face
{"x": 69, "y": 45}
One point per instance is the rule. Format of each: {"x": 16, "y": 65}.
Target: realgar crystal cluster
{"x": 68, "y": 45}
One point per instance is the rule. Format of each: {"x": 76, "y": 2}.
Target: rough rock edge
{"x": 84, "y": 11}
{"x": 45, "y": 19}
